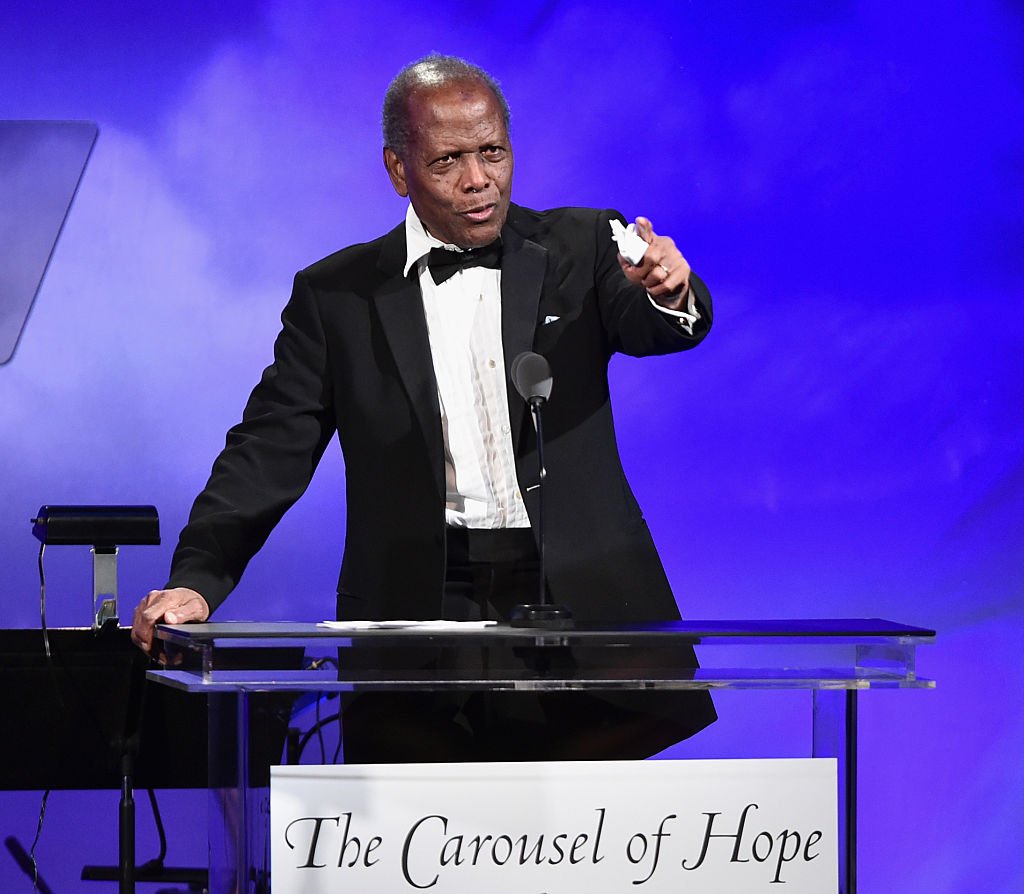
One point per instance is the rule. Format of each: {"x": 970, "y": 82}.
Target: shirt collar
{"x": 418, "y": 241}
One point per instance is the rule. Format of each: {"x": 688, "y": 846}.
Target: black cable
{"x": 316, "y": 730}
{"x": 24, "y": 862}
{"x": 35, "y": 841}
{"x": 53, "y": 675}
{"x": 158, "y": 860}
{"x": 42, "y": 602}
{"x": 318, "y": 727}
{"x": 337, "y": 748}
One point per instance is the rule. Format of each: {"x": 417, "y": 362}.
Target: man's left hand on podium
{"x": 176, "y": 606}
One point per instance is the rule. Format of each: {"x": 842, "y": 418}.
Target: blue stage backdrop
{"x": 849, "y": 441}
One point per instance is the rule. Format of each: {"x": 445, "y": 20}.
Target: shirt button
{"x": 491, "y": 364}
{"x": 505, "y": 429}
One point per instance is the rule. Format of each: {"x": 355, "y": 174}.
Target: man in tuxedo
{"x": 401, "y": 347}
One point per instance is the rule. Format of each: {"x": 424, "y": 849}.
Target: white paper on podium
{"x": 439, "y": 624}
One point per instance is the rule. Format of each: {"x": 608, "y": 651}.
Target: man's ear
{"x": 396, "y": 171}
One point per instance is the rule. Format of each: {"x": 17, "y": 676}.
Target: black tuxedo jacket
{"x": 353, "y": 358}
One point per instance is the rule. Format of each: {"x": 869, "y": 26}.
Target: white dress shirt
{"x": 464, "y": 324}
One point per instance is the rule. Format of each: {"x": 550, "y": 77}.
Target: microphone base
{"x": 550, "y": 617}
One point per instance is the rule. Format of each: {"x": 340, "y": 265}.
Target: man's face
{"x": 457, "y": 170}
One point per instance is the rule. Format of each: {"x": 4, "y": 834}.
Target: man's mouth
{"x": 479, "y": 215}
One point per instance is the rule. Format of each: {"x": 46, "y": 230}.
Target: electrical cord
{"x": 318, "y": 727}
{"x": 321, "y": 722}
{"x": 53, "y": 674}
{"x": 158, "y": 861}
{"x": 35, "y": 842}
{"x": 42, "y": 602}
{"x": 317, "y": 730}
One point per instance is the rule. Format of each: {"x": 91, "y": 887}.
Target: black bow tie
{"x": 444, "y": 263}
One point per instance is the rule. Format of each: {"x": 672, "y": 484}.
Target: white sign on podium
{"x": 653, "y": 827}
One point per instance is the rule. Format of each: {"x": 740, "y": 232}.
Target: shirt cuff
{"x": 685, "y": 318}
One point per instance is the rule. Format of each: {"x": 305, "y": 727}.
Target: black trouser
{"x": 488, "y": 573}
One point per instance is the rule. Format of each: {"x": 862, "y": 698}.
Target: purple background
{"x": 849, "y": 441}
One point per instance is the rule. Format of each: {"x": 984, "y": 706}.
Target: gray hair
{"x": 433, "y": 70}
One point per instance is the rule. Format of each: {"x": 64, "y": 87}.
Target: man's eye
{"x": 493, "y": 151}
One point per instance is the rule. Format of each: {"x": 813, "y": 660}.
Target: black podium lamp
{"x": 104, "y": 528}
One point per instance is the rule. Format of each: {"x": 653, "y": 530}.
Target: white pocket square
{"x": 551, "y": 319}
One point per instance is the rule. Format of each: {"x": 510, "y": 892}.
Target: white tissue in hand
{"x": 631, "y": 246}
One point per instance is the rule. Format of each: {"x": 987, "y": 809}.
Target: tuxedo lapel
{"x": 522, "y": 279}
{"x": 400, "y": 307}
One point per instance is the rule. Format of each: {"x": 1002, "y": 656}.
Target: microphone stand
{"x": 542, "y": 613}
{"x": 535, "y": 410}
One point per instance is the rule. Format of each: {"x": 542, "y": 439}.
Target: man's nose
{"x": 474, "y": 173}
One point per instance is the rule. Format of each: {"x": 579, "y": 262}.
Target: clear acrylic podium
{"x": 236, "y": 665}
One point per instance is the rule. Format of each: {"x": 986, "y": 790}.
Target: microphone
{"x": 531, "y": 376}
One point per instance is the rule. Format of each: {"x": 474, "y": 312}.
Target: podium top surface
{"x": 230, "y": 634}
{"x": 833, "y": 653}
